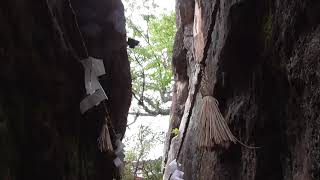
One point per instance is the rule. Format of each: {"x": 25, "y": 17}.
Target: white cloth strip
{"x": 92, "y": 100}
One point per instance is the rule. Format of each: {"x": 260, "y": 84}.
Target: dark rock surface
{"x": 264, "y": 60}
{"x": 42, "y": 134}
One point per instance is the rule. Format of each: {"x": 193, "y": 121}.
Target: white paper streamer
{"x": 177, "y": 175}
{"x": 92, "y": 100}
{"x": 120, "y": 153}
{"x": 117, "y": 162}
{"x": 120, "y": 147}
{"x": 172, "y": 169}
{"x": 93, "y": 68}
{"x": 98, "y": 66}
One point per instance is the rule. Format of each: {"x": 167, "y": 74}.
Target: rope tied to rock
{"x": 96, "y": 96}
{"x": 215, "y": 130}
{"x": 213, "y": 127}
{"x": 93, "y": 69}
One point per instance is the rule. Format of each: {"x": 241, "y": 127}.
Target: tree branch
{"x": 156, "y": 109}
{"x": 137, "y": 114}
{"x": 140, "y": 114}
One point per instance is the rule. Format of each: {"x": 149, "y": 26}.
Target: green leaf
{"x": 154, "y": 55}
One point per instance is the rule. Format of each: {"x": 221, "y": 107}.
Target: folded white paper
{"x": 119, "y": 146}
{"x": 177, "y": 175}
{"x": 121, "y": 155}
{"x": 98, "y": 66}
{"x": 173, "y": 172}
{"x": 93, "y": 68}
{"x": 119, "y": 151}
{"x": 117, "y": 162}
{"x": 173, "y": 166}
{"x": 92, "y": 100}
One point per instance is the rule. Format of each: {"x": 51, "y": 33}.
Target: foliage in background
{"x": 152, "y": 82}
{"x": 136, "y": 163}
{"x": 151, "y": 60}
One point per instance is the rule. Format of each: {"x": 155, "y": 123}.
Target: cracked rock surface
{"x": 263, "y": 59}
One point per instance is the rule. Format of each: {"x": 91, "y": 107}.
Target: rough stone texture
{"x": 42, "y": 134}
{"x": 263, "y": 58}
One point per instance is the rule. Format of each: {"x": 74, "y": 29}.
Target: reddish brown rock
{"x": 263, "y": 60}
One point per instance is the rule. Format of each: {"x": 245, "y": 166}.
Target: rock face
{"x": 263, "y": 59}
{"x": 42, "y": 133}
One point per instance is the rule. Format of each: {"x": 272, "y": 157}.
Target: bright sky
{"x": 159, "y": 123}
{"x": 167, "y": 4}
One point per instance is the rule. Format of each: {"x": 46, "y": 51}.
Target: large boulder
{"x": 263, "y": 60}
{"x": 42, "y": 133}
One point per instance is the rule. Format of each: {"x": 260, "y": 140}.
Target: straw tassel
{"x": 104, "y": 140}
{"x": 214, "y": 129}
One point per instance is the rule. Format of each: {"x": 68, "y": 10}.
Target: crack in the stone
{"x": 202, "y": 65}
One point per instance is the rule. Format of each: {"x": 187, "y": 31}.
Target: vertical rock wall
{"x": 263, "y": 58}
{"x": 42, "y": 133}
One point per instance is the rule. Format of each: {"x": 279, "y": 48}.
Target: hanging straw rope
{"x": 104, "y": 140}
{"x": 214, "y": 129}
